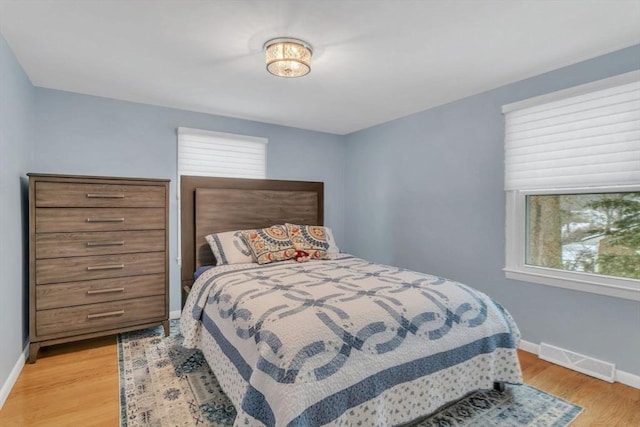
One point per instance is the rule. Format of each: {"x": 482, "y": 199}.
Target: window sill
{"x": 603, "y": 285}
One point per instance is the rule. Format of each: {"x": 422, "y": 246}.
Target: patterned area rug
{"x": 165, "y": 384}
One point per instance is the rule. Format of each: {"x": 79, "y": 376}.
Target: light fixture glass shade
{"x": 288, "y": 57}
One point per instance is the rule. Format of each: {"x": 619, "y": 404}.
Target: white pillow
{"x": 230, "y": 247}
{"x": 333, "y": 247}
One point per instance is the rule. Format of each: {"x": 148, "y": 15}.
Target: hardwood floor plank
{"x": 73, "y": 384}
{"x": 604, "y": 404}
{"x": 77, "y": 384}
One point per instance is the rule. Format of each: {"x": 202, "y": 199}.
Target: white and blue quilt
{"x": 345, "y": 341}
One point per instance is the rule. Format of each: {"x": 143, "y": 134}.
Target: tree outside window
{"x": 592, "y": 233}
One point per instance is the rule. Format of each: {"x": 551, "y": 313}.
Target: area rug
{"x": 165, "y": 384}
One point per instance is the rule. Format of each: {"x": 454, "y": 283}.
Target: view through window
{"x": 592, "y": 233}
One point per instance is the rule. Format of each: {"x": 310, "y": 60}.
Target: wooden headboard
{"x": 214, "y": 205}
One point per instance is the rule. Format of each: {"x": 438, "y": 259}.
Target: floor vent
{"x": 578, "y": 362}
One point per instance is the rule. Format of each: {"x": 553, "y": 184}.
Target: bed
{"x": 339, "y": 341}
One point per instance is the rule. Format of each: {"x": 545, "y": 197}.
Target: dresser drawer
{"x": 66, "y": 194}
{"x": 58, "y": 245}
{"x": 60, "y": 270}
{"x": 94, "y": 291}
{"x": 51, "y": 220}
{"x": 95, "y": 317}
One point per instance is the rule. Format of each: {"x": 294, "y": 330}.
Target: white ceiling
{"x": 373, "y": 61}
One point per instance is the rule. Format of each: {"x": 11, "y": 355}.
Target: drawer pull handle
{"x": 105, "y": 219}
{"x": 93, "y": 244}
{"x": 107, "y": 314}
{"x": 104, "y": 196}
{"x": 104, "y": 291}
{"x": 105, "y": 267}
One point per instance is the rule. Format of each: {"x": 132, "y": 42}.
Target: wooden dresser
{"x": 98, "y": 257}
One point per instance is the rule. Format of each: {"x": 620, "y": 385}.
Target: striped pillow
{"x": 230, "y": 248}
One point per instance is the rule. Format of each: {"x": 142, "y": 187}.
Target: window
{"x": 590, "y": 232}
{"x": 208, "y": 153}
{"x": 572, "y": 178}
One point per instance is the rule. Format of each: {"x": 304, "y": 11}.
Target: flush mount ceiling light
{"x": 288, "y": 57}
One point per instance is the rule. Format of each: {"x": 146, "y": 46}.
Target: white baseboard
{"x": 13, "y": 376}
{"x": 175, "y": 314}
{"x": 627, "y": 378}
{"x": 621, "y": 377}
{"x": 529, "y": 347}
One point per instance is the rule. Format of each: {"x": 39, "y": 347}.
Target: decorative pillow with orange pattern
{"x": 270, "y": 244}
{"x": 309, "y": 238}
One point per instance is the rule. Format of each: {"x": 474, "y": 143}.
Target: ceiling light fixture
{"x": 288, "y": 57}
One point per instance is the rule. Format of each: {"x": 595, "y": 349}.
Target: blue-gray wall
{"x": 16, "y": 148}
{"x": 425, "y": 192}
{"x": 88, "y": 135}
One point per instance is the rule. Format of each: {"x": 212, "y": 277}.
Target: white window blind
{"x": 588, "y": 140}
{"x": 208, "y": 153}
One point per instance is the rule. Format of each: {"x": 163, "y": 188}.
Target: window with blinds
{"x": 208, "y": 153}
{"x": 217, "y": 154}
{"x": 588, "y": 140}
{"x": 572, "y": 177}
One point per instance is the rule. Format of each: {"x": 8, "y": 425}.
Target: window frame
{"x": 516, "y": 216}
{"x": 516, "y": 267}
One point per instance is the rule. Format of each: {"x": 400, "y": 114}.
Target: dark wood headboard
{"x": 214, "y": 205}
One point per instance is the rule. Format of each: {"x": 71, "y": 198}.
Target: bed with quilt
{"x": 338, "y": 340}
{"x": 334, "y": 339}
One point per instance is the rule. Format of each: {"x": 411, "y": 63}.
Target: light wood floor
{"x": 77, "y": 385}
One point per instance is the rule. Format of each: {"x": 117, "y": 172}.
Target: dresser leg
{"x": 33, "y": 351}
{"x": 165, "y": 325}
